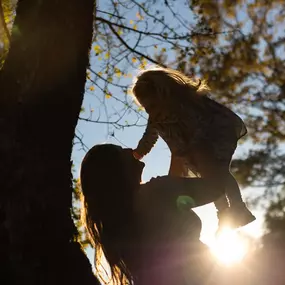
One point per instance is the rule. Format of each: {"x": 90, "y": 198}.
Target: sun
{"x": 229, "y": 247}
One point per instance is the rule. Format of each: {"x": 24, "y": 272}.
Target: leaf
{"x": 135, "y": 27}
{"x": 97, "y": 49}
{"x": 134, "y": 59}
{"x": 108, "y": 95}
{"x": 131, "y": 22}
{"x": 91, "y": 88}
{"x": 139, "y": 16}
{"x": 117, "y": 72}
{"x": 107, "y": 55}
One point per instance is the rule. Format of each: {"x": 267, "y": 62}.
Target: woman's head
{"x": 109, "y": 177}
{"x": 154, "y": 86}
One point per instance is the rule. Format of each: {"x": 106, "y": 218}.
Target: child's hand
{"x": 137, "y": 155}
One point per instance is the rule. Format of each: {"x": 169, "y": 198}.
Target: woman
{"x": 147, "y": 232}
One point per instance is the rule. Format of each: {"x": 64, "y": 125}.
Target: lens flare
{"x": 229, "y": 248}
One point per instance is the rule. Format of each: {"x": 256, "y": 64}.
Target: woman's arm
{"x": 201, "y": 190}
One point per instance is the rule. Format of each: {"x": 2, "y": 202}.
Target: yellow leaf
{"x": 134, "y": 59}
{"x": 118, "y": 72}
{"x": 108, "y": 95}
{"x": 135, "y": 27}
{"x": 107, "y": 55}
{"x": 100, "y": 73}
{"x": 110, "y": 79}
{"x": 92, "y": 88}
{"x": 100, "y": 58}
{"x": 120, "y": 32}
{"x": 97, "y": 49}
{"x": 131, "y": 22}
{"x": 155, "y": 46}
{"x": 139, "y": 16}
{"x": 163, "y": 49}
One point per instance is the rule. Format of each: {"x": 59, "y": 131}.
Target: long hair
{"x": 107, "y": 188}
{"x": 166, "y": 85}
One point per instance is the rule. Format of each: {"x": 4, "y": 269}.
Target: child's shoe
{"x": 234, "y": 217}
{"x": 241, "y": 215}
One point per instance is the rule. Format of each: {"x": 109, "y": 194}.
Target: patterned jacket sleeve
{"x": 148, "y": 139}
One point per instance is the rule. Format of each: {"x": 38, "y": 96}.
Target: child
{"x": 202, "y": 135}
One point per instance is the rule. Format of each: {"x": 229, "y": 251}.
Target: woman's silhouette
{"x": 147, "y": 232}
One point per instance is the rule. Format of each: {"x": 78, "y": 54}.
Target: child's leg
{"x": 206, "y": 166}
{"x": 239, "y": 214}
{"x": 233, "y": 191}
{"x": 222, "y": 203}
{"x": 218, "y": 170}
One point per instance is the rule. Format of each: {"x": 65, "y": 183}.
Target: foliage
{"x": 7, "y": 15}
{"x": 76, "y": 214}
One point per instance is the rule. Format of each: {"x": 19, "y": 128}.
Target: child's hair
{"x": 165, "y": 85}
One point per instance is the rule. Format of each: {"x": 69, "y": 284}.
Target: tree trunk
{"x": 41, "y": 92}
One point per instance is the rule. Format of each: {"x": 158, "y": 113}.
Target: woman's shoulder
{"x": 154, "y": 185}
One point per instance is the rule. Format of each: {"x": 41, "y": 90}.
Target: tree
{"x": 42, "y": 85}
{"x": 7, "y": 9}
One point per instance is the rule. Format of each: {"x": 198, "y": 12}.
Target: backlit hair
{"x": 165, "y": 84}
{"x": 107, "y": 187}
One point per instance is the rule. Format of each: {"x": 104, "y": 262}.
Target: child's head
{"x": 158, "y": 85}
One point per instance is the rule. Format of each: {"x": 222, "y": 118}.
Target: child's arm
{"x": 147, "y": 141}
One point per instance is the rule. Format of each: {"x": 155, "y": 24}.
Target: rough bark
{"x": 41, "y": 92}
